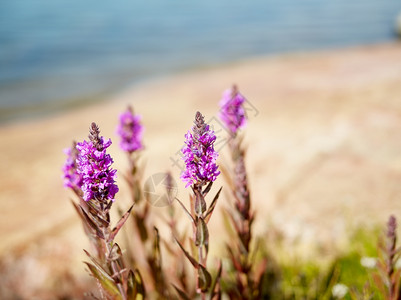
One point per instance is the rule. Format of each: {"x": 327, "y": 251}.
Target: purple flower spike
{"x": 232, "y": 112}
{"x": 199, "y": 154}
{"x": 72, "y": 179}
{"x": 94, "y": 165}
{"x": 130, "y": 130}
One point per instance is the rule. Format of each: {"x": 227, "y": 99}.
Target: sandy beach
{"x": 323, "y": 138}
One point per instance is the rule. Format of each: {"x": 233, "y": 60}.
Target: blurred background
{"x": 58, "y": 54}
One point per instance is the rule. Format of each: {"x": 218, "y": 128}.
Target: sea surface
{"x": 59, "y": 52}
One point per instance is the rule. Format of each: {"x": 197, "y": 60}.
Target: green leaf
{"x": 120, "y": 224}
{"x": 105, "y": 281}
{"x": 131, "y": 285}
{"x": 139, "y": 283}
{"x": 136, "y": 289}
{"x": 200, "y": 203}
{"x": 204, "y": 278}
{"x": 202, "y": 233}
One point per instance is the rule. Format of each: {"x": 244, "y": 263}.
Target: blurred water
{"x": 52, "y": 51}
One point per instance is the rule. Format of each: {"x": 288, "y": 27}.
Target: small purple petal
{"x": 94, "y": 166}
{"x": 199, "y": 154}
{"x": 72, "y": 179}
{"x": 130, "y": 131}
{"x": 232, "y": 112}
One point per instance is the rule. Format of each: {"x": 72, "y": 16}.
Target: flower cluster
{"x": 130, "y": 130}
{"x": 232, "y": 112}
{"x": 94, "y": 165}
{"x": 72, "y": 179}
{"x": 199, "y": 154}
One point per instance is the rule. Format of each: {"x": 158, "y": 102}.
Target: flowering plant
{"x": 94, "y": 166}
{"x": 249, "y": 272}
{"x": 200, "y": 173}
{"x": 98, "y": 190}
{"x": 199, "y": 155}
{"x": 247, "y": 281}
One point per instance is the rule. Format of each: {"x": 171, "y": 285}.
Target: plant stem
{"x": 113, "y": 265}
{"x": 200, "y": 251}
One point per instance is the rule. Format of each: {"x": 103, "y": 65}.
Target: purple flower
{"x": 130, "y": 130}
{"x": 94, "y": 165}
{"x": 72, "y": 179}
{"x": 199, "y": 154}
{"x": 232, "y": 112}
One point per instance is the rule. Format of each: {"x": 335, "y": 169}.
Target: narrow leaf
{"x": 200, "y": 203}
{"x": 212, "y": 206}
{"x": 120, "y": 224}
{"x": 97, "y": 218}
{"x": 139, "y": 283}
{"x": 190, "y": 258}
{"x": 181, "y": 293}
{"x": 186, "y": 211}
{"x": 105, "y": 281}
{"x": 135, "y": 287}
{"x": 156, "y": 248}
{"x": 234, "y": 259}
{"x": 207, "y": 189}
{"x": 216, "y": 281}
{"x": 89, "y": 221}
{"x": 98, "y": 265}
{"x": 204, "y": 278}
{"x": 89, "y": 231}
{"x": 131, "y": 286}
{"x": 202, "y": 233}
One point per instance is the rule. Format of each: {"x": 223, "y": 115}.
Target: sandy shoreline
{"x": 324, "y": 140}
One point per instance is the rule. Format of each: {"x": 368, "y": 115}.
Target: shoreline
{"x": 37, "y": 110}
{"x": 321, "y": 116}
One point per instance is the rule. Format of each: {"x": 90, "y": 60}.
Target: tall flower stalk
{"x": 388, "y": 276}
{"x": 200, "y": 172}
{"x": 97, "y": 190}
{"x": 147, "y": 240}
{"x": 232, "y": 114}
{"x": 130, "y": 131}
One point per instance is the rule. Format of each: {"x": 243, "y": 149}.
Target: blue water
{"x": 52, "y": 51}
